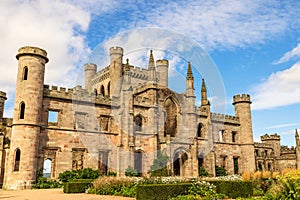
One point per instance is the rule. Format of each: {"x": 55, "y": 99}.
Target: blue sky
{"x": 253, "y": 46}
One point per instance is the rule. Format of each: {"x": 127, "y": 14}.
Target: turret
{"x": 297, "y": 149}
{"x": 274, "y": 141}
{"x": 162, "y": 68}
{"x": 243, "y": 112}
{"x": 2, "y": 101}
{"x": 127, "y": 74}
{"x": 116, "y": 70}
{"x": 189, "y": 81}
{"x": 89, "y": 72}
{"x": 151, "y": 68}
{"x": 22, "y": 160}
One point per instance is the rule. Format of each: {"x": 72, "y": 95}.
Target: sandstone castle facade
{"x": 123, "y": 116}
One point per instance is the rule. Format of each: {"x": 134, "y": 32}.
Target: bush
{"x": 234, "y": 189}
{"x": 202, "y": 172}
{"x": 110, "y": 173}
{"x": 44, "y": 183}
{"x": 86, "y": 173}
{"x": 205, "y": 190}
{"x": 76, "y": 187}
{"x": 161, "y": 191}
{"x": 220, "y": 171}
{"x": 130, "y": 171}
{"x": 159, "y": 166}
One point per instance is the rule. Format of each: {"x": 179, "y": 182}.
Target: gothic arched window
{"x": 199, "y": 130}
{"x": 138, "y": 123}
{"x": 102, "y": 91}
{"x": 25, "y": 73}
{"x": 17, "y": 160}
{"x": 108, "y": 89}
{"x": 22, "y": 110}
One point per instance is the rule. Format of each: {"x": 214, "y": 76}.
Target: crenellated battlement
{"x": 77, "y": 94}
{"x": 3, "y": 95}
{"x": 270, "y": 137}
{"x": 90, "y": 66}
{"x": 224, "y": 118}
{"x": 116, "y": 50}
{"x": 241, "y": 98}
{"x": 139, "y": 73}
{"x": 162, "y": 62}
{"x": 33, "y": 51}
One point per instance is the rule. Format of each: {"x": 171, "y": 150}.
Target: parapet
{"x": 266, "y": 137}
{"x": 32, "y": 51}
{"x": 163, "y": 62}
{"x": 3, "y": 95}
{"x": 224, "y": 118}
{"x": 91, "y": 66}
{"x": 116, "y": 50}
{"x": 241, "y": 98}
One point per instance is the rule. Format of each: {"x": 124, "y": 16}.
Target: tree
{"x": 159, "y": 166}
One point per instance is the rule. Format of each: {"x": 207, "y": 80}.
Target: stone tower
{"x": 2, "y": 101}
{"x": 89, "y": 71}
{"x": 22, "y": 159}
{"x": 162, "y": 68}
{"x": 297, "y": 149}
{"x": 243, "y": 112}
{"x": 116, "y": 70}
{"x": 274, "y": 141}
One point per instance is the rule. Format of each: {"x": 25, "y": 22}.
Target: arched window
{"x": 269, "y": 167}
{"x": 96, "y": 93}
{"x": 22, "y": 110}
{"x": 102, "y": 91}
{"x": 171, "y": 117}
{"x": 138, "y": 123}
{"x": 108, "y": 89}
{"x": 47, "y": 168}
{"x": 25, "y": 73}
{"x": 17, "y": 160}
{"x": 199, "y": 130}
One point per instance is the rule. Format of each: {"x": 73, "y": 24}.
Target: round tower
{"x": 22, "y": 161}
{"x": 243, "y": 112}
{"x": 116, "y": 69}
{"x": 2, "y": 101}
{"x": 162, "y": 68}
{"x": 89, "y": 72}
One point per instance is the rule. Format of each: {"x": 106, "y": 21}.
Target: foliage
{"x": 77, "y": 187}
{"x": 86, "y": 173}
{"x": 110, "y": 173}
{"x": 107, "y": 185}
{"x": 204, "y": 190}
{"x": 161, "y": 191}
{"x": 220, "y": 171}
{"x": 44, "y": 183}
{"x": 164, "y": 180}
{"x": 130, "y": 171}
{"x": 159, "y": 166}
{"x": 286, "y": 187}
{"x": 202, "y": 172}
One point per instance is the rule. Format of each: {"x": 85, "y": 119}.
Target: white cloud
{"x": 282, "y": 125}
{"x": 279, "y": 89}
{"x": 294, "y": 53}
{"x": 57, "y": 26}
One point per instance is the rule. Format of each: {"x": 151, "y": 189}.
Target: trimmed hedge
{"x": 161, "y": 191}
{"x": 234, "y": 189}
{"x": 78, "y": 186}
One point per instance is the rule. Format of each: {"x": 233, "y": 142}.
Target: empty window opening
{"x": 269, "y": 167}
{"x": 221, "y": 135}
{"x": 96, "y": 93}
{"x": 199, "y": 130}
{"x": 52, "y": 118}
{"x": 138, "y": 123}
{"x": 25, "y": 73}
{"x": 236, "y": 165}
{"x": 17, "y": 160}
{"x": 47, "y": 168}
{"x": 102, "y": 91}
{"x": 108, "y": 89}
{"x": 260, "y": 167}
{"x": 233, "y": 136}
{"x": 22, "y": 110}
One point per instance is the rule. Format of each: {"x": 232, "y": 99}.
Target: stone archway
{"x": 171, "y": 117}
{"x": 179, "y": 163}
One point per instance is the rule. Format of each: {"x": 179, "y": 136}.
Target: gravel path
{"x": 53, "y": 194}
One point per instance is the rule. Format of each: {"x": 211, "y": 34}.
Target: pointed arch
{"x": 108, "y": 89}
{"x": 17, "y": 160}
{"x": 171, "y": 120}
{"x": 180, "y": 158}
{"x": 25, "y": 73}
{"x": 138, "y": 123}
{"x": 22, "y": 110}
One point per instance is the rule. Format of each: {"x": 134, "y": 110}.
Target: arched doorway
{"x": 138, "y": 162}
{"x": 47, "y": 168}
{"x": 171, "y": 117}
{"x": 179, "y": 163}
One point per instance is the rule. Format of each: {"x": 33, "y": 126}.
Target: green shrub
{"x": 110, "y": 173}
{"x": 161, "y": 191}
{"x": 44, "y": 183}
{"x": 202, "y": 172}
{"x": 86, "y": 173}
{"x": 130, "y": 171}
{"x": 220, "y": 171}
{"x": 234, "y": 189}
{"x": 159, "y": 166}
{"x": 76, "y": 187}
{"x": 204, "y": 189}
